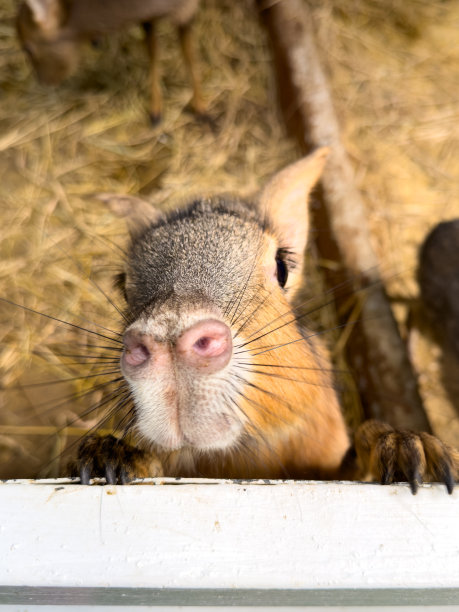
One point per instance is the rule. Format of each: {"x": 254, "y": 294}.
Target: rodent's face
{"x": 213, "y": 354}
{"x": 199, "y": 287}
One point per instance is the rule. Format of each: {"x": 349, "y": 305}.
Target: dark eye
{"x": 282, "y": 270}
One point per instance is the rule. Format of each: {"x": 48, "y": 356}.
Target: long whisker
{"x": 291, "y": 379}
{"x": 73, "y": 396}
{"x": 272, "y": 347}
{"x": 249, "y": 276}
{"x": 302, "y": 315}
{"x": 119, "y": 406}
{"x": 94, "y": 364}
{"x": 251, "y": 315}
{"x": 127, "y": 421}
{"x": 42, "y": 314}
{"x": 109, "y": 358}
{"x": 119, "y": 393}
{"x": 62, "y": 380}
{"x": 97, "y": 346}
{"x": 292, "y": 367}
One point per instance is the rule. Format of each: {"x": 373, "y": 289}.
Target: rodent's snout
{"x": 205, "y": 346}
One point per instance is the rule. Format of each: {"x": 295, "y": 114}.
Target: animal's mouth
{"x": 197, "y": 429}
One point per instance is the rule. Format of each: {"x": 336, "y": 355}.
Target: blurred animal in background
{"x": 439, "y": 281}
{"x": 52, "y": 31}
{"x": 438, "y": 275}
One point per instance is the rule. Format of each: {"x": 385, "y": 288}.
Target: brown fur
{"x": 220, "y": 259}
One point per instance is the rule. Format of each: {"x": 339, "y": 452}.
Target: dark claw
{"x": 390, "y": 454}
{"x": 415, "y": 480}
{"x": 112, "y": 458}
{"x": 448, "y": 477}
{"x": 110, "y": 475}
{"x": 85, "y": 474}
{"x": 410, "y": 464}
{"x": 386, "y": 477}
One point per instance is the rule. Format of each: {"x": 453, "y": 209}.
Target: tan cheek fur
{"x": 299, "y": 418}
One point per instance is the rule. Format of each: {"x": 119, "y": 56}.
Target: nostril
{"x": 135, "y": 350}
{"x": 136, "y": 355}
{"x": 210, "y": 346}
{"x": 202, "y": 343}
{"x": 144, "y": 357}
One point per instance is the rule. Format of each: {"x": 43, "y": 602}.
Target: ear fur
{"x": 284, "y": 200}
{"x": 47, "y": 14}
{"x": 137, "y": 212}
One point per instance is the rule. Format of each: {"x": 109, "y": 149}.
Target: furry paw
{"x": 389, "y": 455}
{"x": 114, "y": 459}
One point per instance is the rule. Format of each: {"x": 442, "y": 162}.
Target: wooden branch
{"x": 385, "y": 378}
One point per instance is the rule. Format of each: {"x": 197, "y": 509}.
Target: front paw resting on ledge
{"x": 389, "y": 455}
{"x": 115, "y": 460}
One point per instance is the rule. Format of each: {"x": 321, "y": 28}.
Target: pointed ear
{"x": 284, "y": 200}
{"x": 47, "y": 14}
{"x": 137, "y": 212}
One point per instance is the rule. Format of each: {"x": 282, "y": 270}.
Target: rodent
{"x": 51, "y": 32}
{"x": 225, "y": 379}
{"x": 438, "y": 275}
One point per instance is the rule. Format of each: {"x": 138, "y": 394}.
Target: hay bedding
{"x": 395, "y": 78}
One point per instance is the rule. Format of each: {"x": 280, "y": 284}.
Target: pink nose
{"x": 206, "y": 346}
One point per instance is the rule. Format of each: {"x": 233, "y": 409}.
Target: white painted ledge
{"x": 188, "y": 542}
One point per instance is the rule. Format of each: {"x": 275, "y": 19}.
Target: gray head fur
{"x": 200, "y": 255}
